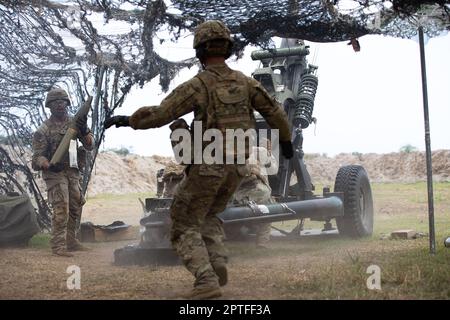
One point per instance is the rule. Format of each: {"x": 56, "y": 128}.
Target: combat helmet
{"x": 56, "y": 94}
{"x": 212, "y": 30}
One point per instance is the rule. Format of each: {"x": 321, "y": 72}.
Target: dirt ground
{"x": 310, "y": 267}
{"x": 36, "y": 274}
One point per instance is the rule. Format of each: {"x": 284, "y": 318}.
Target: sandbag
{"x": 18, "y": 222}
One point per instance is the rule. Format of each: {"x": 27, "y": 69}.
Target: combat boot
{"x": 77, "y": 246}
{"x": 220, "y": 268}
{"x": 262, "y": 245}
{"x": 62, "y": 252}
{"x": 202, "y": 293}
{"x": 206, "y": 285}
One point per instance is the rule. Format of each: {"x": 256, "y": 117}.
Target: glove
{"x": 286, "y": 149}
{"x": 82, "y": 125}
{"x": 179, "y": 124}
{"x": 57, "y": 167}
{"x": 119, "y": 121}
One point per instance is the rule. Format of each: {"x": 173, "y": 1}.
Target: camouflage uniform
{"x": 63, "y": 188}
{"x": 173, "y": 174}
{"x": 159, "y": 183}
{"x": 196, "y": 231}
{"x": 255, "y": 187}
{"x": 221, "y": 98}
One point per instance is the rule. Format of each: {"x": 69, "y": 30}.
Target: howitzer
{"x": 72, "y": 133}
{"x": 290, "y": 80}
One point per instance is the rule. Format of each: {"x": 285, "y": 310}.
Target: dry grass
{"x": 313, "y": 267}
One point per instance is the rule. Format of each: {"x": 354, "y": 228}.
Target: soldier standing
{"x": 159, "y": 183}
{"x": 173, "y": 174}
{"x": 221, "y": 98}
{"x": 255, "y": 187}
{"x": 63, "y": 179}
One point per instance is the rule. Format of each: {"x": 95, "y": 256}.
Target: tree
{"x": 408, "y": 148}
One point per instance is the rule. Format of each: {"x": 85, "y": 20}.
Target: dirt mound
{"x": 119, "y": 174}
{"x": 391, "y": 167}
{"x": 132, "y": 173}
{"x": 125, "y": 174}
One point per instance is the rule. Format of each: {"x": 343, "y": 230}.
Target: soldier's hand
{"x": 82, "y": 125}
{"x": 45, "y": 165}
{"x": 118, "y": 121}
{"x": 57, "y": 167}
{"x": 286, "y": 149}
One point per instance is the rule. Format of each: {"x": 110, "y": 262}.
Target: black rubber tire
{"x": 357, "y": 221}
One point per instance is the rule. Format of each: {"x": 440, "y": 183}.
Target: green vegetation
{"x": 407, "y": 272}
{"x": 40, "y": 241}
{"x": 335, "y": 267}
{"x": 122, "y": 151}
{"x": 408, "y": 148}
{"x": 339, "y": 267}
{"x": 359, "y": 155}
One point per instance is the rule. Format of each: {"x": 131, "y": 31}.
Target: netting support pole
{"x": 427, "y": 144}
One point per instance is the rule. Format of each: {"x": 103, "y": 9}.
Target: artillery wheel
{"x": 357, "y": 221}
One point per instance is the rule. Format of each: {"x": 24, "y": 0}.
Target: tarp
{"x": 18, "y": 222}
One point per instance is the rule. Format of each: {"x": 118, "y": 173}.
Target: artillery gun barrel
{"x": 330, "y": 207}
{"x": 323, "y": 208}
{"x": 280, "y": 52}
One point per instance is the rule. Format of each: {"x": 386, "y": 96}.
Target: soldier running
{"x": 221, "y": 98}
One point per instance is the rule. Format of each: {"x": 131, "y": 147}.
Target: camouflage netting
{"x": 75, "y": 45}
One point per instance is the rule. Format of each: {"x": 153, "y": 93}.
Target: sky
{"x": 368, "y": 101}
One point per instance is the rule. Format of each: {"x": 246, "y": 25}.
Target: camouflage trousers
{"x": 66, "y": 200}
{"x": 170, "y": 187}
{"x": 254, "y": 189}
{"x": 197, "y": 233}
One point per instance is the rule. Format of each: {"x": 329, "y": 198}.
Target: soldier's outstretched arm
{"x": 179, "y": 102}
{"x": 87, "y": 141}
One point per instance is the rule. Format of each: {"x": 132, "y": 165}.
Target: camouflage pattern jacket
{"x": 193, "y": 96}
{"x": 259, "y": 162}
{"x": 46, "y": 140}
{"x": 173, "y": 171}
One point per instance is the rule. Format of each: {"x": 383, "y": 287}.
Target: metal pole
{"x": 95, "y": 130}
{"x": 427, "y": 144}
